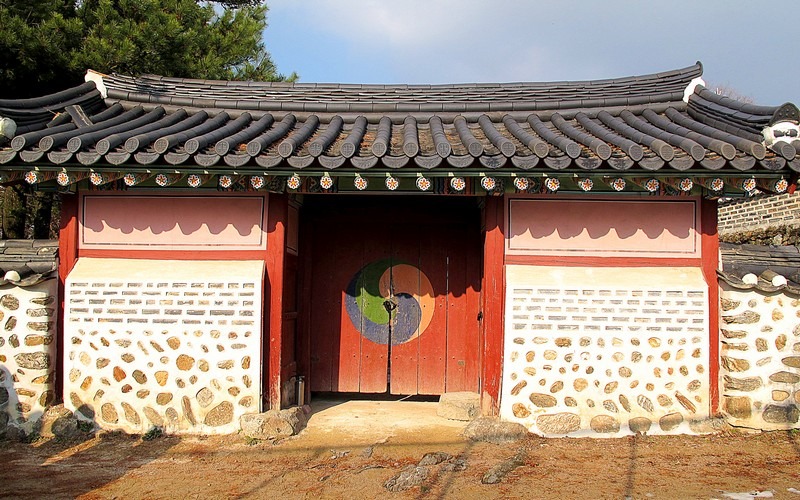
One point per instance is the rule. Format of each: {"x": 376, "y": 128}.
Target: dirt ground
{"x": 350, "y": 450}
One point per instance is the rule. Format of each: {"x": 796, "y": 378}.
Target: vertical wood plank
{"x": 67, "y": 257}
{"x": 374, "y": 356}
{"x": 457, "y": 312}
{"x": 436, "y": 241}
{"x": 405, "y": 356}
{"x": 276, "y": 248}
{"x": 474, "y": 334}
{"x": 709, "y": 249}
{"x": 349, "y": 258}
{"x": 493, "y": 295}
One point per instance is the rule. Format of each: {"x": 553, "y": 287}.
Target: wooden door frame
{"x": 490, "y": 346}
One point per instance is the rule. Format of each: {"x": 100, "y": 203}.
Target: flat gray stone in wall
{"x": 558, "y": 423}
{"x": 463, "y": 406}
{"x": 639, "y": 424}
{"x": 746, "y": 384}
{"x": 785, "y": 377}
{"x": 781, "y": 414}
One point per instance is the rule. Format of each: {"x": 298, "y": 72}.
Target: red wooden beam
{"x": 493, "y": 297}
{"x": 67, "y": 257}
{"x": 277, "y": 213}
{"x": 710, "y": 264}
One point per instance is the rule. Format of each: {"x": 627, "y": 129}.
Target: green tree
{"x": 46, "y": 45}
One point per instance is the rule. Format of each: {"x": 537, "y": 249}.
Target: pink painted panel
{"x": 136, "y": 222}
{"x": 603, "y": 227}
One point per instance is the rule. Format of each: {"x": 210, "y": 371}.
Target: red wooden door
{"x": 395, "y": 308}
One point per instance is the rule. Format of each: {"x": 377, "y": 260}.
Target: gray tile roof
{"x": 633, "y": 126}
{"x": 27, "y": 262}
{"x": 768, "y": 269}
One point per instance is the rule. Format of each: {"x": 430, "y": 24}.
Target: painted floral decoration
{"x": 130, "y": 179}
{"x": 488, "y": 183}
{"x": 552, "y": 184}
{"x": 225, "y": 181}
{"x": 749, "y": 185}
{"x": 31, "y": 177}
{"x": 257, "y": 181}
{"x": 194, "y": 180}
{"x": 586, "y": 184}
{"x": 326, "y": 181}
{"x": 618, "y": 184}
{"x": 64, "y": 179}
{"x": 458, "y": 183}
{"x": 423, "y": 183}
{"x": 652, "y": 185}
{"x": 521, "y": 183}
{"x": 686, "y": 184}
{"x": 392, "y": 183}
{"x": 97, "y": 178}
{"x": 360, "y": 183}
{"x": 717, "y": 184}
{"x": 780, "y": 186}
{"x": 294, "y": 182}
{"x": 162, "y": 180}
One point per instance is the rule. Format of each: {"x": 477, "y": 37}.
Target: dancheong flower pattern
{"x": 652, "y": 185}
{"x": 31, "y": 177}
{"x": 717, "y": 184}
{"x": 225, "y": 181}
{"x": 488, "y": 183}
{"x": 392, "y": 183}
{"x": 360, "y": 183}
{"x": 423, "y": 183}
{"x": 326, "y": 182}
{"x": 586, "y": 184}
{"x": 64, "y": 179}
{"x": 552, "y": 184}
{"x": 686, "y": 184}
{"x": 522, "y": 183}
{"x": 257, "y": 182}
{"x": 749, "y": 185}
{"x": 458, "y": 183}
{"x": 194, "y": 180}
{"x": 618, "y": 184}
{"x": 780, "y": 186}
{"x": 97, "y": 178}
{"x": 294, "y": 182}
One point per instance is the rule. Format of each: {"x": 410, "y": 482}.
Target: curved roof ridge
{"x": 658, "y": 86}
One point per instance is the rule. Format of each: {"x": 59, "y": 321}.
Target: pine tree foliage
{"x": 46, "y": 45}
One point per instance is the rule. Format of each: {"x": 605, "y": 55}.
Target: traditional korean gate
{"x": 395, "y": 303}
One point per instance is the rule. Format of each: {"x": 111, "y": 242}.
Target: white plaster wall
{"x": 605, "y": 351}
{"x": 760, "y": 359}
{"x": 175, "y": 344}
{"x": 28, "y": 319}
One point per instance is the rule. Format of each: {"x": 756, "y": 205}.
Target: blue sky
{"x": 745, "y": 45}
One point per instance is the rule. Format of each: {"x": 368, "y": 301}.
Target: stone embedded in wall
{"x": 776, "y": 414}
{"x": 670, "y": 421}
{"x": 639, "y": 425}
{"x": 746, "y": 384}
{"x": 604, "y": 424}
{"x": 543, "y": 400}
{"x": 146, "y": 349}
{"x": 792, "y": 361}
{"x": 558, "y": 423}
{"x": 785, "y": 377}
{"x": 747, "y": 317}
{"x": 734, "y": 364}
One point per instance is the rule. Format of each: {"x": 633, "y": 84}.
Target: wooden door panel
{"x": 433, "y": 263}
{"x": 404, "y": 351}
{"x": 374, "y": 355}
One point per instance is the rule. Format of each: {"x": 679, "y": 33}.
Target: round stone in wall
{"x": 184, "y": 362}
{"x": 153, "y": 416}
{"x": 543, "y": 400}
{"x": 221, "y": 414}
{"x": 9, "y": 302}
{"x": 785, "y": 377}
{"x": 580, "y": 384}
{"x": 558, "y": 423}
{"x": 670, "y": 421}
{"x": 645, "y": 403}
{"x": 519, "y": 410}
{"x": 163, "y": 398}
{"x": 639, "y": 425}
{"x": 604, "y": 424}
{"x": 205, "y": 397}
{"x": 109, "y": 413}
{"x": 130, "y": 414}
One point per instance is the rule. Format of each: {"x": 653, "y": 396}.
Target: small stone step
{"x": 463, "y": 406}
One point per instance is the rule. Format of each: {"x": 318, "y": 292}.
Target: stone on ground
{"x": 463, "y": 406}
{"x": 273, "y": 424}
{"x": 411, "y": 476}
{"x": 494, "y": 430}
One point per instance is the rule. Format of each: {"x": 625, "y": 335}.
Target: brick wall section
{"x": 759, "y": 212}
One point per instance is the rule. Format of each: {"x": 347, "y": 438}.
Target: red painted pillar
{"x": 67, "y": 256}
{"x": 710, "y": 263}
{"x": 493, "y": 298}
{"x": 277, "y": 213}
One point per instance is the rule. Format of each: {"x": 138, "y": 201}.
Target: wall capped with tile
{"x": 174, "y": 344}
{"x": 605, "y": 351}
